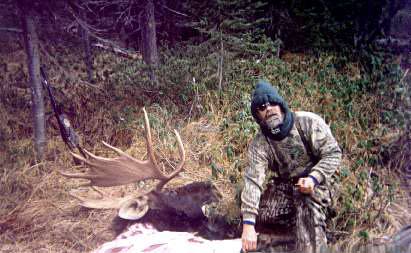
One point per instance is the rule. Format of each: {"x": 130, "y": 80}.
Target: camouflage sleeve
{"x": 254, "y": 177}
{"x": 324, "y": 146}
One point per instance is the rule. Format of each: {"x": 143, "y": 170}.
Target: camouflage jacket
{"x": 289, "y": 158}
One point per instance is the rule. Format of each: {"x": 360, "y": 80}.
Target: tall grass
{"x": 363, "y": 110}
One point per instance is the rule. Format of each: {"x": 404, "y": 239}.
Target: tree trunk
{"x": 150, "y": 53}
{"x": 33, "y": 62}
{"x": 88, "y": 60}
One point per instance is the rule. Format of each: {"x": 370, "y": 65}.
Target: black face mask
{"x": 278, "y": 132}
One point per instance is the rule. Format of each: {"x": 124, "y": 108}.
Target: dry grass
{"x": 38, "y": 215}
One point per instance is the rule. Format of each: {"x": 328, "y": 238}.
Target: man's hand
{"x": 306, "y": 185}
{"x": 249, "y": 238}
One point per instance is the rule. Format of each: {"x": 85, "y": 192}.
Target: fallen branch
{"x": 108, "y": 45}
{"x": 10, "y": 29}
{"x": 394, "y": 43}
{"x": 88, "y": 84}
{"x": 119, "y": 51}
{"x": 404, "y": 76}
{"x": 174, "y": 11}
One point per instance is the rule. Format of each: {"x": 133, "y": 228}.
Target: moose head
{"x": 124, "y": 169}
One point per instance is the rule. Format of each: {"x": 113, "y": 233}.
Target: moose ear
{"x": 134, "y": 209}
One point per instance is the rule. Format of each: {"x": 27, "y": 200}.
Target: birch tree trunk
{"x": 31, "y": 42}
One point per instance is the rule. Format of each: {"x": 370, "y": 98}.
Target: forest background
{"x": 193, "y": 65}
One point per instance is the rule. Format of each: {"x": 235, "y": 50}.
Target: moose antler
{"x": 124, "y": 169}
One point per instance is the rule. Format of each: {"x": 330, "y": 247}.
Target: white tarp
{"x": 145, "y": 238}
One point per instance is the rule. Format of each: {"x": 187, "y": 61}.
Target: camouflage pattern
{"x": 304, "y": 223}
{"x": 277, "y": 205}
{"x": 274, "y": 168}
{"x": 310, "y": 223}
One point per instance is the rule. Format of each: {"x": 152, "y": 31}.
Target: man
{"x": 287, "y": 183}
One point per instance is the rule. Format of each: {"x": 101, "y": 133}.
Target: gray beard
{"x": 273, "y": 122}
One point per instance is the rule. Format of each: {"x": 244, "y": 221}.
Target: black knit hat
{"x": 264, "y": 92}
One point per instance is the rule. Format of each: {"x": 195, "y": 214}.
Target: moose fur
{"x": 181, "y": 210}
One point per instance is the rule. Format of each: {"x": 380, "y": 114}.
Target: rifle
{"x": 66, "y": 130}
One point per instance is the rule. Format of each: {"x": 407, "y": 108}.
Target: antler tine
{"x": 80, "y": 157}
{"x": 117, "y": 150}
{"x": 78, "y": 175}
{"x": 92, "y": 157}
{"x": 182, "y": 155}
{"x": 87, "y": 176}
{"x": 180, "y": 165}
{"x": 150, "y": 151}
{"x": 103, "y": 203}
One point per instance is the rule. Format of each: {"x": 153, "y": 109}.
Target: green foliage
{"x": 236, "y": 26}
{"x": 344, "y": 172}
{"x": 376, "y": 184}
{"x": 216, "y": 170}
{"x": 364, "y": 235}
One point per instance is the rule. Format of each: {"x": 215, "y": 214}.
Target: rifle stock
{"x": 66, "y": 130}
